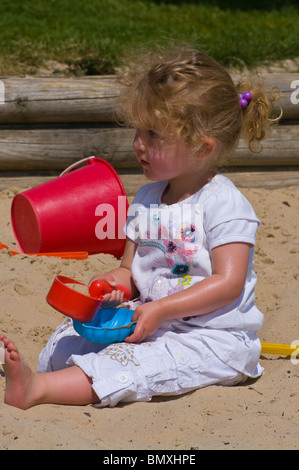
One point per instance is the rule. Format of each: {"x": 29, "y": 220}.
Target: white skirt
{"x": 171, "y": 362}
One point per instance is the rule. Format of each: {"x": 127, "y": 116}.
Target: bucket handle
{"x": 75, "y": 164}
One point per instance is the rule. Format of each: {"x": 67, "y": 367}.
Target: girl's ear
{"x": 208, "y": 147}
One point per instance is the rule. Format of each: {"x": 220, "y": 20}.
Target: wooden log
{"x": 280, "y": 149}
{"x": 289, "y": 87}
{"x": 92, "y": 99}
{"x": 132, "y": 182}
{"x": 55, "y": 148}
{"x": 242, "y": 179}
{"x": 55, "y": 100}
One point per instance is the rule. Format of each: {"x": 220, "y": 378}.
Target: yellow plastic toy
{"x": 283, "y": 349}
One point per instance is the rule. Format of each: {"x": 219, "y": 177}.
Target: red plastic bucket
{"x": 62, "y": 214}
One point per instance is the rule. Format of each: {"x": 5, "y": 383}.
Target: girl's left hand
{"x": 149, "y": 318}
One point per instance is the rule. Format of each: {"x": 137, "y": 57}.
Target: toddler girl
{"x": 189, "y": 250}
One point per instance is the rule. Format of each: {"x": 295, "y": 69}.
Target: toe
{"x": 10, "y": 346}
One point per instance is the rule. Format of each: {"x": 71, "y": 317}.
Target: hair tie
{"x": 245, "y": 99}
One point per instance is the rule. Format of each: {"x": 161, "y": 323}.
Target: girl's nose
{"x": 139, "y": 144}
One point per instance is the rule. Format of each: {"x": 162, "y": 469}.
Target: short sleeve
{"x": 228, "y": 204}
{"x": 238, "y": 230}
{"x": 229, "y": 217}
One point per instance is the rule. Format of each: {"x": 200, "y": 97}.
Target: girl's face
{"x": 163, "y": 159}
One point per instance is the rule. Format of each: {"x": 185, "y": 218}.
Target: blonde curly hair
{"x": 185, "y": 93}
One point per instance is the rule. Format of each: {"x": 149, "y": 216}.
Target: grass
{"x": 96, "y": 36}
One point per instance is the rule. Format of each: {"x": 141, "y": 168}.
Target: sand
{"x": 260, "y": 414}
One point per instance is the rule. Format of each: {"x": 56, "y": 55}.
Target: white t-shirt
{"x": 174, "y": 252}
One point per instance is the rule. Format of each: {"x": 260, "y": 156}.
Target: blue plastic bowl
{"x": 110, "y": 325}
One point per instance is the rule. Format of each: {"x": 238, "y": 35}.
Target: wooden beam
{"x": 58, "y": 99}
{"x": 55, "y": 147}
{"x": 280, "y": 149}
{"x": 132, "y": 181}
{"x": 288, "y": 84}
{"x": 91, "y": 99}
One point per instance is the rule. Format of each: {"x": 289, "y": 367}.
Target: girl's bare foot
{"x": 24, "y": 388}
{"x": 20, "y": 390}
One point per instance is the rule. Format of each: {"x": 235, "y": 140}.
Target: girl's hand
{"x": 112, "y": 299}
{"x": 149, "y": 318}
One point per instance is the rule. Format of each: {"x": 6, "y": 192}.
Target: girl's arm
{"x": 226, "y": 283}
{"x": 121, "y": 275}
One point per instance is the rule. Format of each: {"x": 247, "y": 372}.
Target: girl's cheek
{"x": 152, "y": 154}
{"x": 155, "y": 154}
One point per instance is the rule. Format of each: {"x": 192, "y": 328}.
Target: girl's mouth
{"x": 143, "y": 163}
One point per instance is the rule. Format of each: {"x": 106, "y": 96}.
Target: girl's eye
{"x": 153, "y": 134}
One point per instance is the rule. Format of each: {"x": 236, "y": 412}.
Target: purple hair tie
{"x": 245, "y": 99}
